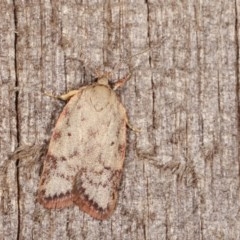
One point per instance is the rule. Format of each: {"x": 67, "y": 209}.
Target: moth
{"x": 84, "y": 162}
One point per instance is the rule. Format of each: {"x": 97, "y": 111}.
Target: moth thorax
{"x": 103, "y": 81}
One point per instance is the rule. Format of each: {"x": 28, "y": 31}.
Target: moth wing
{"x": 97, "y": 196}
{"x": 55, "y": 188}
{"x": 96, "y": 185}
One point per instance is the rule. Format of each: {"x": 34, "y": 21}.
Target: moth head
{"x": 103, "y": 81}
{"x": 103, "y": 77}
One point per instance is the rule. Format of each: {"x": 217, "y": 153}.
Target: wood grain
{"x": 181, "y": 176}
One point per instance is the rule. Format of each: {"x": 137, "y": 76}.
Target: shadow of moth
{"x": 85, "y": 158}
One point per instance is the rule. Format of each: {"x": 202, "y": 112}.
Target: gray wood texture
{"x": 181, "y": 175}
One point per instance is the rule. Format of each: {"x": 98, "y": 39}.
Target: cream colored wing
{"x": 86, "y": 153}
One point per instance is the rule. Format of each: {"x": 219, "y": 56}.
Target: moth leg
{"x": 122, "y": 81}
{"x": 131, "y": 126}
{"x": 64, "y": 97}
{"x": 68, "y": 95}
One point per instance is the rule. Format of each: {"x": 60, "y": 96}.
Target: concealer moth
{"x": 84, "y": 163}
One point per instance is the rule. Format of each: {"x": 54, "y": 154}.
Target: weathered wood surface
{"x": 181, "y": 177}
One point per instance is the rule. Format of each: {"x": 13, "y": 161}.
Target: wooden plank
{"x": 181, "y": 176}
{"x": 8, "y": 124}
